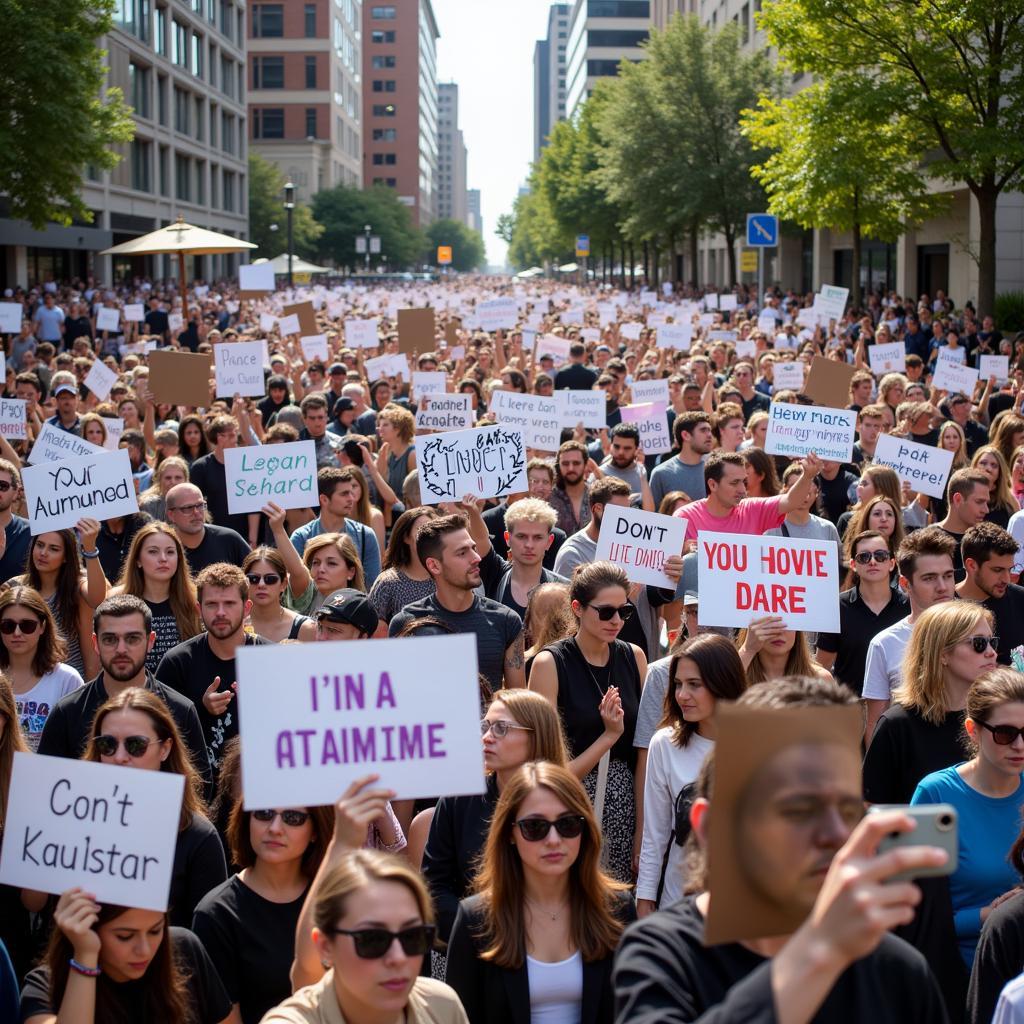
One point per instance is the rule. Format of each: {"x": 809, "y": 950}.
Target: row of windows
{"x": 133, "y": 16}
{"x": 385, "y": 135}
{"x": 383, "y": 12}
{"x": 390, "y": 182}
{"x": 378, "y": 36}
{"x": 268, "y": 123}
{"x": 268, "y": 72}
{"x": 383, "y": 110}
{"x": 384, "y": 85}
{"x": 190, "y": 177}
{"x": 268, "y": 21}
{"x": 386, "y": 159}
{"x": 616, "y": 37}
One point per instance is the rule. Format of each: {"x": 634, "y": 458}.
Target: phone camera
{"x": 944, "y": 822}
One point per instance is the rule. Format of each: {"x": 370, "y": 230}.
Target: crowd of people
{"x": 575, "y": 888}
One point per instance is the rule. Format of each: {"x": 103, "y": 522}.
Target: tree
{"x": 535, "y": 238}
{"x": 467, "y": 245}
{"x": 505, "y": 227}
{"x": 839, "y": 160}
{"x": 953, "y": 68}
{"x": 54, "y": 119}
{"x": 344, "y": 212}
{"x": 268, "y": 218}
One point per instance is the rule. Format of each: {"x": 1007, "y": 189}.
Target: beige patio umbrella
{"x": 183, "y": 239}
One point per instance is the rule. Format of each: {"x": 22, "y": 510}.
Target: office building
{"x": 474, "y": 219}
{"x": 451, "y": 152}
{"x": 549, "y": 77}
{"x": 662, "y": 11}
{"x": 400, "y": 105}
{"x": 305, "y": 94}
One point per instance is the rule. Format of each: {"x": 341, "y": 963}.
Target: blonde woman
{"x": 171, "y": 472}
{"x": 1001, "y": 502}
{"x": 397, "y": 457}
{"x": 952, "y": 439}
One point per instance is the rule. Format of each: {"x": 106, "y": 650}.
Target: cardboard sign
{"x": 951, "y": 376}
{"x": 56, "y": 445}
{"x": 650, "y": 391}
{"x": 313, "y": 717}
{"x": 796, "y": 430}
{"x": 741, "y": 577}
{"x": 100, "y": 379}
{"x": 13, "y": 422}
{"x": 924, "y": 467}
{"x": 393, "y": 365}
{"x": 306, "y": 314}
{"x": 416, "y": 330}
{"x": 489, "y": 462}
{"x": 444, "y": 412}
{"x": 108, "y": 319}
{"x": 315, "y": 347}
{"x": 537, "y": 418}
{"x": 282, "y": 473}
{"x": 555, "y": 346}
{"x": 497, "y": 314}
{"x": 890, "y": 358}
{"x": 10, "y": 317}
{"x": 831, "y": 301}
{"x": 789, "y": 375}
{"x": 238, "y": 366}
{"x": 587, "y": 407}
{"x": 255, "y": 280}
{"x": 110, "y": 829}
{"x": 640, "y": 542}
{"x": 180, "y": 378}
{"x": 99, "y": 486}
{"x": 428, "y": 382}
{"x": 362, "y": 333}
{"x": 994, "y": 366}
{"x": 678, "y": 336}
{"x": 134, "y": 313}
{"x": 828, "y": 382}
{"x": 651, "y": 419}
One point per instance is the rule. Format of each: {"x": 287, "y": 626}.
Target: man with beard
{"x": 569, "y": 496}
{"x": 988, "y": 552}
{"x": 447, "y": 551}
{"x": 16, "y": 534}
{"x": 122, "y": 636}
{"x": 685, "y": 470}
{"x": 203, "y": 668}
{"x": 205, "y": 543}
{"x": 625, "y": 462}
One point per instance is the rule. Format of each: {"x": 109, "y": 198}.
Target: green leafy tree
{"x": 535, "y": 238}
{"x": 952, "y": 68}
{"x": 344, "y": 212}
{"x": 268, "y": 218}
{"x": 54, "y": 118}
{"x": 467, "y": 245}
{"x": 505, "y": 227}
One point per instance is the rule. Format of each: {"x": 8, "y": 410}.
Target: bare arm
{"x": 799, "y": 491}
{"x": 515, "y": 664}
{"x": 298, "y": 574}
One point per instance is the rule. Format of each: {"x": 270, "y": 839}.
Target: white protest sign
{"x": 428, "y": 382}
{"x": 239, "y": 368}
{"x": 640, "y": 542}
{"x": 651, "y": 419}
{"x": 729, "y": 336}
{"x": 590, "y": 334}
{"x": 788, "y": 375}
{"x": 115, "y": 428}
{"x": 56, "y": 445}
{"x": 314, "y": 717}
{"x": 99, "y": 486}
{"x": 12, "y": 418}
{"x": 100, "y": 379}
{"x": 10, "y": 317}
{"x": 393, "y": 365}
{"x": 362, "y": 333}
{"x": 587, "y": 407}
{"x": 711, "y": 300}
{"x": 554, "y": 346}
{"x": 537, "y": 418}
{"x": 631, "y": 331}
{"x": 175, "y": 321}
{"x": 267, "y": 321}
{"x": 888, "y": 358}
{"x": 108, "y": 828}
{"x": 923, "y": 466}
{"x": 741, "y": 577}
{"x": 134, "y": 313}
{"x": 951, "y": 376}
{"x": 497, "y": 314}
{"x": 994, "y": 366}
{"x": 282, "y": 473}
{"x": 746, "y": 348}
{"x": 678, "y": 336}
{"x": 256, "y": 277}
{"x": 727, "y": 303}
{"x": 314, "y": 346}
{"x": 767, "y": 323}
{"x": 657, "y": 319}
{"x": 802, "y": 429}
{"x": 649, "y": 391}
{"x": 289, "y": 325}
{"x": 572, "y": 316}
{"x": 107, "y": 319}
{"x": 831, "y": 301}
{"x": 489, "y": 462}
{"x": 809, "y": 318}
{"x": 444, "y": 412}
{"x": 953, "y": 355}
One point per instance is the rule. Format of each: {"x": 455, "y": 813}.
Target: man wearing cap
{"x": 344, "y": 416}
{"x": 337, "y": 374}
{"x": 65, "y": 391}
{"x": 346, "y": 615}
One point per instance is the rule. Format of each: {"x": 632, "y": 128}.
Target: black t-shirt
{"x": 15, "y": 556}
{"x": 494, "y": 625}
{"x": 157, "y": 321}
{"x": 113, "y": 547}
{"x": 575, "y": 377}
{"x": 199, "y": 867}
{"x": 999, "y": 958}
{"x": 835, "y": 498}
{"x": 664, "y": 974}
{"x": 75, "y": 327}
{"x": 204, "y": 991}
{"x": 757, "y": 402}
{"x": 1009, "y": 613}
{"x": 252, "y": 942}
{"x": 210, "y": 477}
{"x": 165, "y": 625}
{"x": 959, "y": 572}
{"x": 219, "y": 544}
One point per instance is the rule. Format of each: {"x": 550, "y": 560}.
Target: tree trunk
{"x": 694, "y": 239}
{"x": 622, "y": 263}
{"x": 987, "y": 195}
{"x": 730, "y": 248}
{"x": 657, "y": 266}
{"x": 647, "y": 262}
{"x": 632, "y": 267}
{"x": 855, "y": 283}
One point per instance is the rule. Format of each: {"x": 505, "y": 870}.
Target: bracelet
{"x": 91, "y": 554}
{"x": 88, "y": 972}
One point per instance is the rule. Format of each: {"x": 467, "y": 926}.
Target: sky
{"x": 486, "y": 47}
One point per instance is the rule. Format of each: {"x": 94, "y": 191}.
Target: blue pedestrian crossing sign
{"x": 583, "y": 245}
{"x": 762, "y": 229}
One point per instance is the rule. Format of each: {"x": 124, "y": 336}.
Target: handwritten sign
{"x": 267, "y": 321}
{"x": 313, "y": 717}
{"x": 651, "y": 419}
{"x": 587, "y": 407}
{"x": 100, "y": 379}
{"x": 110, "y": 829}
{"x": 952, "y": 376}
{"x": 788, "y": 375}
{"x": 12, "y": 418}
{"x": 802, "y": 429}
{"x": 288, "y": 325}
{"x": 362, "y": 333}
{"x": 55, "y": 445}
{"x": 115, "y": 428}
{"x": 889, "y": 358}
{"x": 650, "y": 391}
{"x": 497, "y": 314}
{"x": 553, "y": 345}
{"x": 282, "y": 473}
{"x": 677, "y": 336}
{"x": 107, "y": 319}
{"x": 428, "y": 382}
{"x": 314, "y": 346}
{"x": 10, "y": 317}
{"x": 537, "y": 418}
{"x": 831, "y": 301}
{"x": 741, "y": 577}
{"x": 134, "y": 313}
{"x": 489, "y": 462}
{"x": 238, "y": 366}
{"x": 444, "y": 412}
{"x": 640, "y": 542}
{"x": 175, "y": 321}
{"x": 924, "y": 467}
{"x": 994, "y": 366}
{"x": 393, "y": 365}
{"x": 631, "y": 331}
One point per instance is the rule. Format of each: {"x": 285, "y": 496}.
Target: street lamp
{"x": 289, "y": 205}
{"x": 367, "y": 228}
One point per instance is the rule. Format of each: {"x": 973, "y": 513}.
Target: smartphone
{"x": 354, "y": 452}
{"x": 936, "y": 826}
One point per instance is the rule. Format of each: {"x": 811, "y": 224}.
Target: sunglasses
{"x": 568, "y": 826}
{"x": 5, "y": 486}
{"x": 605, "y": 612}
{"x": 1003, "y": 735}
{"x": 270, "y": 578}
{"x": 500, "y": 729}
{"x": 27, "y": 626}
{"x": 136, "y": 746}
{"x": 866, "y": 557}
{"x": 979, "y": 643}
{"x": 373, "y": 943}
{"x": 292, "y": 818}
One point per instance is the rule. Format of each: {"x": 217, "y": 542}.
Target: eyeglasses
{"x": 1003, "y": 735}
{"x": 135, "y": 746}
{"x": 270, "y": 578}
{"x": 373, "y": 943}
{"x": 189, "y": 509}
{"x": 605, "y": 612}
{"x": 5, "y": 486}
{"x": 27, "y": 626}
{"x": 111, "y": 640}
{"x": 865, "y": 557}
{"x": 979, "y": 643}
{"x": 568, "y": 826}
{"x": 501, "y": 728}
{"x": 292, "y": 818}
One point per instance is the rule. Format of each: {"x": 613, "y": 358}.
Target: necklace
{"x": 545, "y": 911}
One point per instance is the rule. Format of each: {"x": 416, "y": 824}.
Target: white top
{"x": 1010, "y": 1008}
{"x": 884, "y": 664}
{"x": 35, "y": 705}
{"x": 1016, "y": 529}
{"x": 556, "y": 990}
{"x": 669, "y": 768}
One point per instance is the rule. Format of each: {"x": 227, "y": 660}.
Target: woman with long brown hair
{"x": 1001, "y": 502}
{"x": 548, "y": 618}
{"x": 1007, "y": 433}
{"x": 539, "y": 935}
{"x": 403, "y": 578}
{"x": 172, "y": 471}
{"x": 880, "y": 514}
{"x": 192, "y": 442}
{"x": 267, "y": 575}
{"x": 770, "y": 651}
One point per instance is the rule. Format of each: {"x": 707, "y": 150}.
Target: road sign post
{"x": 762, "y": 233}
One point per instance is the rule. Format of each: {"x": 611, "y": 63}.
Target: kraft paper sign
{"x": 416, "y": 330}
{"x": 489, "y": 462}
{"x": 797, "y": 430}
{"x": 923, "y": 466}
{"x": 828, "y": 382}
{"x": 306, "y": 314}
{"x": 640, "y": 542}
{"x": 180, "y": 378}
{"x": 284, "y": 474}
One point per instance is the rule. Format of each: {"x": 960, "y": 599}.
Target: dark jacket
{"x": 500, "y": 995}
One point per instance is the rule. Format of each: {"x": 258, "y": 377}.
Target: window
{"x": 311, "y": 72}
{"x": 390, "y": 182}
{"x": 182, "y": 111}
{"x": 377, "y": 36}
{"x": 268, "y": 72}
{"x": 160, "y": 26}
{"x": 618, "y": 8}
{"x": 138, "y": 88}
{"x": 385, "y": 159}
{"x": 200, "y": 181}
{"x": 214, "y": 181}
{"x": 309, "y": 13}
{"x": 162, "y": 168}
{"x": 384, "y": 85}
{"x": 602, "y": 68}
{"x": 383, "y": 13}
{"x": 179, "y": 44}
{"x": 228, "y": 201}
{"x": 199, "y": 118}
{"x": 161, "y": 99}
{"x": 182, "y": 182}
{"x": 197, "y": 56}
{"x": 385, "y": 135}
{"x": 616, "y": 37}
{"x": 227, "y": 76}
{"x": 268, "y": 21}
{"x": 227, "y": 132}
{"x": 310, "y": 122}
{"x": 133, "y": 17}
{"x": 383, "y": 110}
{"x": 268, "y": 123}
{"x": 140, "y": 165}
{"x": 383, "y": 62}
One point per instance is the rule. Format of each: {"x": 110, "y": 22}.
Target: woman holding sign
{"x": 267, "y": 574}
{"x": 770, "y": 651}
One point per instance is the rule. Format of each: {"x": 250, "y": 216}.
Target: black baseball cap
{"x": 351, "y": 606}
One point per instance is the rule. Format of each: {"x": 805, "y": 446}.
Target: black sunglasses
{"x": 270, "y": 578}
{"x": 27, "y": 626}
{"x": 5, "y": 486}
{"x": 135, "y": 745}
{"x": 979, "y": 643}
{"x": 568, "y": 826}
{"x": 1003, "y": 735}
{"x": 605, "y": 612}
{"x": 373, "y": 943}
{"x": 292, "y": 818}
{"x": 865, "y": 557}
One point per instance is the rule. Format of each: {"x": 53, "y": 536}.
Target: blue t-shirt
{"x": 362, "y": 536}
{"x": 988, "y": 827}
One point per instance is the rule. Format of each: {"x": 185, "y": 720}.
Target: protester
{"x": 205, "y": 543}
{"x": 988, "y": 553}
{"x": 548, "y": 618}
{"x": 17, "y": 535}
{"x": 769, "y": 651}
{"x": 172, "y": 471}
{"x": 967, "y": 494}
{"x": 267, "y": 576}
{"x": 209, "y": 474}
{"x": 1001, "y": 502}
{"x": 15, "y": 923}
{"x": 403, "y": 580}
